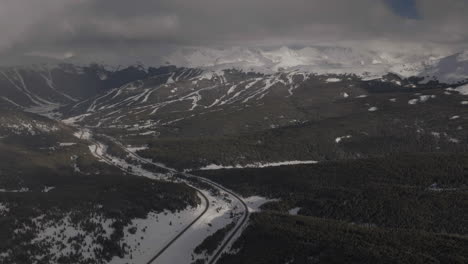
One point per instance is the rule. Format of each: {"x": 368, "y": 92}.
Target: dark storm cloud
{"x": 105, "y": 26}
{"x": 404, "y": 8}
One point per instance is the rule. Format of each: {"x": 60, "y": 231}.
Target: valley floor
{"x": 223, "y": 208}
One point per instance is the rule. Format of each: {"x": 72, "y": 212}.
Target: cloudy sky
{"x": 109, "y": 28}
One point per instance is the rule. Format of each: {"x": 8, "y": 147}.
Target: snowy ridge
{"x": 206, "y": 91}
{"x": 327, "y": 60}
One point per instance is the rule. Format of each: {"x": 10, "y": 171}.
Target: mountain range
{"x": 364, "y": 144}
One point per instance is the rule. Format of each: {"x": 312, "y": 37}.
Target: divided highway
{"x": 226, "y": 242}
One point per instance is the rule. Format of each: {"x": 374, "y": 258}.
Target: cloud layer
{"x": 110, "y": 28}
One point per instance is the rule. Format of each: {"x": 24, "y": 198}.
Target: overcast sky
{"x": 62, "y": 28}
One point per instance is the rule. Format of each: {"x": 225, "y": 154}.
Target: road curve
{"x": 239, "y": 225}
{"x": 162, "y": 250}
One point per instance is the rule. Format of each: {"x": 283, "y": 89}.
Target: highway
{"x": 226, "y": 242}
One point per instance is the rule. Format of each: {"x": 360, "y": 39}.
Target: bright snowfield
{"x": 462, "y": 89}
{"x": 149, "y": 235}
{"x": 421, "y": 99}
{"x": 339, "y": 139}
{"x": 220, "y": 214}
{"x": 449, "y": 68}
{"x": 156, "y": 230}
{"x": 160, "y": 229}
{"x": 332, "y": 80}
{"x": 255, "y": 202}
{"x": 294, "y": 211}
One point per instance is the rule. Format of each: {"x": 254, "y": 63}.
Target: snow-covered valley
{"x": 160, "y": 243}
{"x": 233, "y": 132}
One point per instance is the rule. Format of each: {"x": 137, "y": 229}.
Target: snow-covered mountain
{"x": 59, "y": 84}
{"x": 450, "y": 69}
{"x": 232, "y": 108}
{"x": 208, "y": 81}
{"x": 326, "y": 60}
{"x": 41, "y": 87}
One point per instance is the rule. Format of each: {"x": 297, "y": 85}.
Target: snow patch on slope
{"x": 258, "y": 165}
{"x": 144, "y": 237}
{"x": 462, "y": 89}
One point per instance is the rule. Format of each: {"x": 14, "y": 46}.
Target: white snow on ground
{"x": 148, "y": 133}
{"x": 170, "y": 80}
{"x": 294, "y": 211}
{"x": 4, "y": 209}
{"x": 393, "y": 100}
{"x": 332, "y": 80}
{"x": 462, "y": 89}
{"x": 135, "y": 169}
{"x": 373, "y": 109}
{"x": 30, "y": 127}
{"x": 154, "y": 232}
{"x": 439, "y": 135}
{"x": 102, "y": 76}
{"x": 224, "y": 209}
{"x": 345, "y": 95}
{"x": 46, "y": 110}
{"x": 83, "y": 134}
{"x": 75, "y": 119}
{"x": 67, "y": 144}
{"x": 255, "y": 202}
{"x": 218, "y": 216}
{"x": 135, "y": 149}
{"x": 207, "y": 75}
{"x": 464, "y": 102}
{"x": 362, "y": 96}
{"x": 232, "y": 89}
{"x": 48, "y": 189}
{"x": 22, "y": 190}
{"x": 11, "y": 101}
{"x": 435, "y": 134}
{"x": 425, "y": 98}
{"x": 421, "y": 99}
{"x": 60, "y": 235}
{"x": 50, "y": 82}
{"x": 436, "y": 188}
{"x": 339, "y": 139}
{"x": 98, "y": 150}
{"x": 258, "y": 165}
{"x": 75, "y": 167}
{"x": 454, "y": 117}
